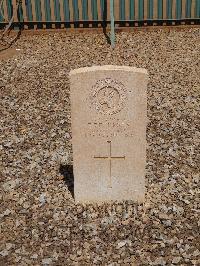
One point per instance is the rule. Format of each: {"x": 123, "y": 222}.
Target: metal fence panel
{"x": 81, "y": 11}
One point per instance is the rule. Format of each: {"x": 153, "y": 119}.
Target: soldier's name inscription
{"x": 109, "y": 128}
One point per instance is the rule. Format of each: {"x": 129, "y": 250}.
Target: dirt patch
{"x": 8, "y": 53}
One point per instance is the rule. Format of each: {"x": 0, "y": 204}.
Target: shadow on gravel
{"x": 6, "y": 45}
{"x": 104, "y": 24}
{"x": 67, "y": 172}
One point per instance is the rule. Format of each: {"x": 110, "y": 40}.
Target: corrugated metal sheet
{"x": 80, "y": 11}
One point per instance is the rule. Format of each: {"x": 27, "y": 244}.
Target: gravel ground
{"x": 40, "y": 222}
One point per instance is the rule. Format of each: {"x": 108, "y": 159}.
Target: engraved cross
{"x": 109, "y": 158}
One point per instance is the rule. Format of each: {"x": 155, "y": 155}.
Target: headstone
{"x": 109, "y": 110}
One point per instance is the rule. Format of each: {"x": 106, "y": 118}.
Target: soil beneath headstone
{"x": 40, "y": 222}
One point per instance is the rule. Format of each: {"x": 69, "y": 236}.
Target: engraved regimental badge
{"x": 108, "y": 96}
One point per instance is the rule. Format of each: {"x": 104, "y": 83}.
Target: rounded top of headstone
{"x": 108, "y": 67}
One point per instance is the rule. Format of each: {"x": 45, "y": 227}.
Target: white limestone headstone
{"x": 109, "y": 111}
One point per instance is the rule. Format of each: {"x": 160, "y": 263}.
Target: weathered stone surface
{"x": 109, "y": 133}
